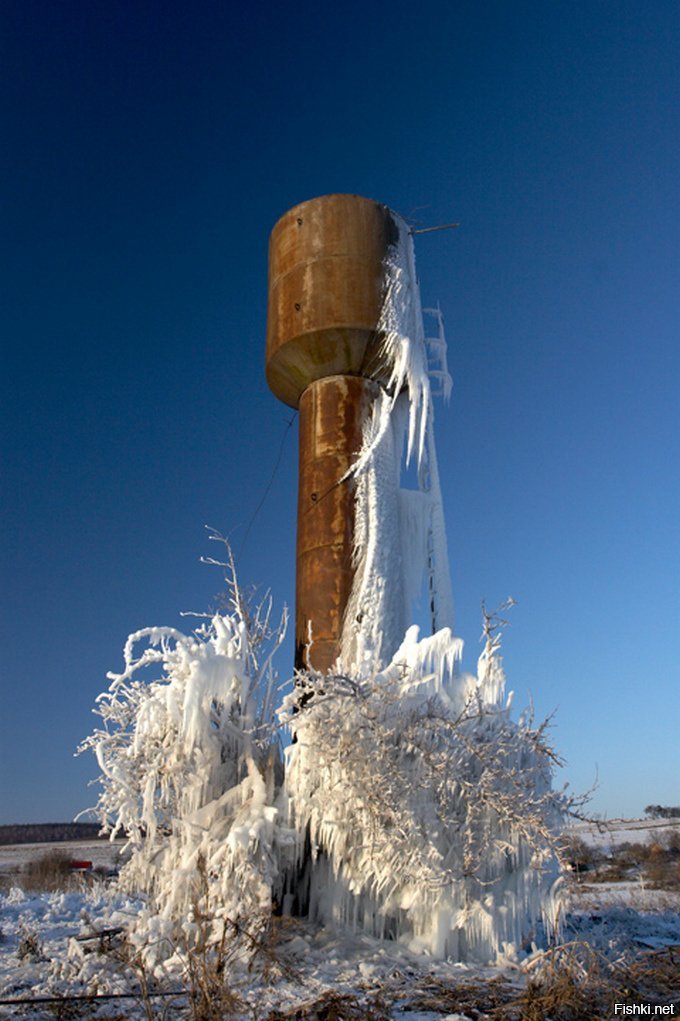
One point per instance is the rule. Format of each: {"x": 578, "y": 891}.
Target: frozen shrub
{"x": 51, "y": 871}
{"x": 423, "y": 810}
{"x": 190, "y": 763}
{"x": 30, "y": 947}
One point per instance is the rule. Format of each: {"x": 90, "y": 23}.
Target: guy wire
{"x": 268, "y": 486}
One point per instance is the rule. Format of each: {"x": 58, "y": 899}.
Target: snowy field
{"x": 102, "y": 854}
{"x": 620, "y": 921}
{"x": 608, "y": 834}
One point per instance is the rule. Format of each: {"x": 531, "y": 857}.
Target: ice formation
{"x": 424, "y": 812}
{"x": 428, "y": 813}
{"x": 409, "y": 805}
{"x": 400, "y": 537}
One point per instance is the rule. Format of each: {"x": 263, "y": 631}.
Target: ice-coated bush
{"x": 190, "y": 762}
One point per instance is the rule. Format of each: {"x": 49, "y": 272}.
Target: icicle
{"x": 403, "y": 345}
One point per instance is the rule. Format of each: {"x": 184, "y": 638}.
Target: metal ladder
{"x": 437, "y": 366}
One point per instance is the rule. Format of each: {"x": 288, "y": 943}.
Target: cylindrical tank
{"x": 326, "y": 285}
{"x": 326, "y": 288}
{"x": 332, "y": 412}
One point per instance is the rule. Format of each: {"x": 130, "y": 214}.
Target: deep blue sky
{"x": 148, "y": 149}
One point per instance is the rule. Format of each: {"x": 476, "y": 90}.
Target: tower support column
{"x": 332, "y": 412}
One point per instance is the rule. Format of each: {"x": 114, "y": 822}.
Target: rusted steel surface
{"x": 332, "y": 411}
{"x": 326, "y": 281}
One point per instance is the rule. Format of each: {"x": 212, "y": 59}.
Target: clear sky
{"x": 148, "y": 149}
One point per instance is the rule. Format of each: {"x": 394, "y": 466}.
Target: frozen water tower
{"x": 326, "y": 289}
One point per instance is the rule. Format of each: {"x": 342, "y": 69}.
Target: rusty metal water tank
{"x": 326, "y": 285}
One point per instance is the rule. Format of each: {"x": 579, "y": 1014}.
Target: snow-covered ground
{"x": 607, "y": 834}
{"x": 619, "y": 920}
{"x": 323, "y": 959}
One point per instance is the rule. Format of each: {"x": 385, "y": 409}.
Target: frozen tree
{"x": 424, "y": 811}
{"x": 190, "y": 761}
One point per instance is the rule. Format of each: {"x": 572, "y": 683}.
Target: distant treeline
{"x": 663, "y": 811}
{"x": 48, "y": 832}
